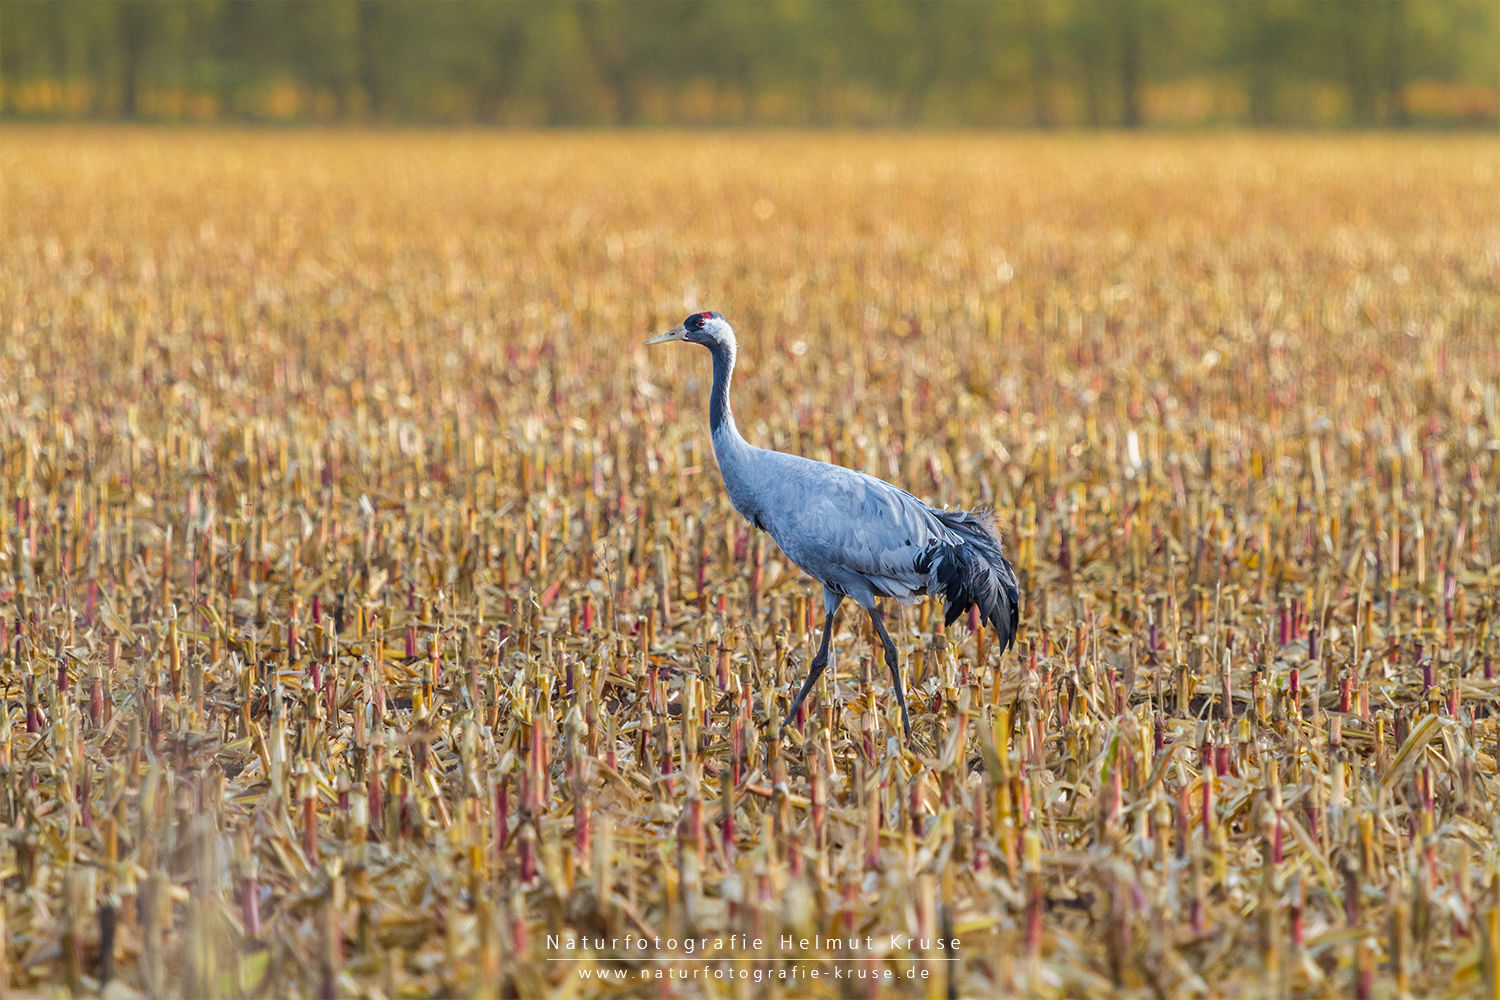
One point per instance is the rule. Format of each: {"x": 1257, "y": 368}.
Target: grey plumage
{"x": 861, "y": 537}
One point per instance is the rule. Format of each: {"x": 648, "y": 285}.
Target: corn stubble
{"x": 372, "y": 606}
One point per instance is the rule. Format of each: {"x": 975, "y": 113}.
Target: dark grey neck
{"x": 719, "y": 414}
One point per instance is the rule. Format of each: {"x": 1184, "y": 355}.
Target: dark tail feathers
{"x": 977, "y": 573}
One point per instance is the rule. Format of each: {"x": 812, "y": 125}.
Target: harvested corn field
{"x": 375, "y": 621}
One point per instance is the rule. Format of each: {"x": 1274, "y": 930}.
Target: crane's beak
{"x": 678, "y": 334}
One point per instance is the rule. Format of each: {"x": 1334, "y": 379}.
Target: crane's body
{"x": 859, "y": 536}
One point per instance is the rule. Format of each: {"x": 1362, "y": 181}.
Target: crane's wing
{"x": 857, "y": 533}
{"x": 867, "y": 538}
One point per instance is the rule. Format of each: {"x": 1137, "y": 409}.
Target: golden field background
{"x": 372, "y": 604}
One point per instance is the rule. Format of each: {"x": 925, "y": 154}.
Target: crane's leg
{"x": 890, "y": 661}
{"x": 831, "y": 603}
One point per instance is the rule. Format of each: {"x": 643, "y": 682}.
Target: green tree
{"x": 1040, "y": 33}
{"x": 795, "y": 61}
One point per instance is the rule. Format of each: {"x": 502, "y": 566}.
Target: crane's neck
{"x": 737, "y": 460}
{"x": 720, "y": 416}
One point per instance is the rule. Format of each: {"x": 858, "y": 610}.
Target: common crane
{"x": 859, "y": 536}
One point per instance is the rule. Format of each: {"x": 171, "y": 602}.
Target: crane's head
{"x": 706, "y": 328}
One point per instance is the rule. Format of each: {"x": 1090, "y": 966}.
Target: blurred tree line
{"x": 803, "y": 62}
